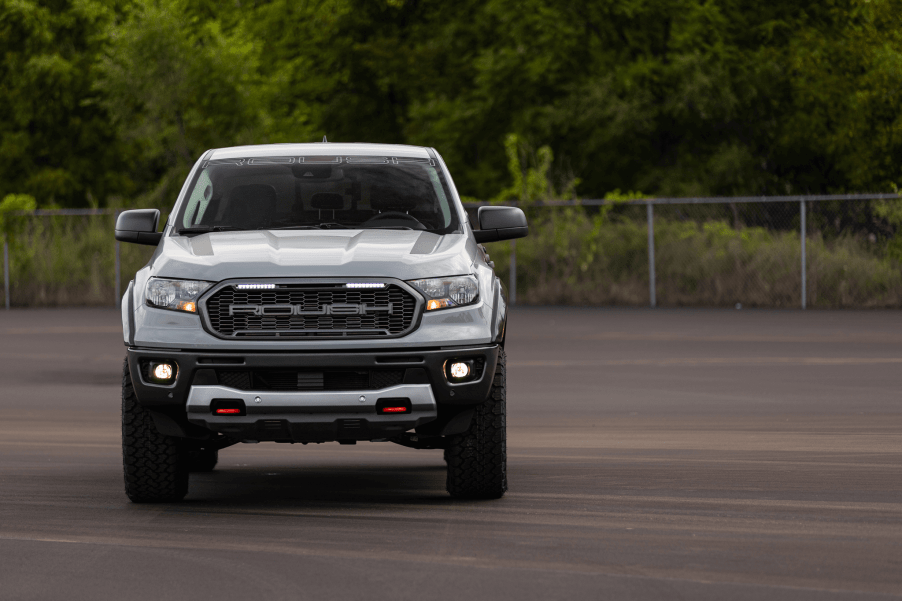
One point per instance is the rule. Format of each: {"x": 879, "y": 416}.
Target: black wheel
{"x": 477, "y": 460}
{"x": 202, "y": 460}
{"x": 155, "y": 466}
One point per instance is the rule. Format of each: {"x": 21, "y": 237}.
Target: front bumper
{"x": 311, "y": 416}
{"x": 420, "y": 366}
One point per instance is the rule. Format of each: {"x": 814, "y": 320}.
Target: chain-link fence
{"x": 800, "y": 251}
{"x": 67, "y": 257}
{"x": 831, "y": 251}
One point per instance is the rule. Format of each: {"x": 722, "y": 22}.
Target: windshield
{"x": 359, "y": 192}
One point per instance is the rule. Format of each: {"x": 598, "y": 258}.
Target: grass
{"x": 63, "y": 260}
{"x": 570, "y": 258}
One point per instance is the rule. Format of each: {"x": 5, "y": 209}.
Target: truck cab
{"x": 315, "y": 293}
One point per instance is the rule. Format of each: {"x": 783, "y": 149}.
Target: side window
{"x": 199, "y": 200}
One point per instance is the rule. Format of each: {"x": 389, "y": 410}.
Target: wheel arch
{"x": 499, "y": 312}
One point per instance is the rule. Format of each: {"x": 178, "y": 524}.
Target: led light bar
{"x": 364, "y": 285}
{"x": 255, "y": 286}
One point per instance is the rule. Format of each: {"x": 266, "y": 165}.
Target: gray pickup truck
{"x": 312, "y": 293}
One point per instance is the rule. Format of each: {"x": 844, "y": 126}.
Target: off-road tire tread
{"x": 155, "y": 466}
{"x": 477, "y": 460}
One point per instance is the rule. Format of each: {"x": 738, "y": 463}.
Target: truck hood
{"x": 402, "y": 254}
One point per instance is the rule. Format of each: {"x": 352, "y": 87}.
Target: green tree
{"x": 685, "y": 97}
{"x": 11, "y": 220}
{"x": 55, "y": 142}
{"x": 843, "y": 130}
{"x": 176, "y": 85}
{"x": 679, "y": 98}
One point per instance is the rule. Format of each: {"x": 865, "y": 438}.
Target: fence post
{"x": 6, "y": 270}
{"x": 118, "y": 268}
{"x": 513, "y": 286}
{"x": 652, "y": 300}
{"x": 802, "y": 211}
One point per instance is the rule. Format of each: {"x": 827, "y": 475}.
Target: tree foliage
{"x": 111, "y": 99}
{"x": 11, "y": 222}
{"x": 55, "y": 141}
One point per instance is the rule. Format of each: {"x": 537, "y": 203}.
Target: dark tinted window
{"x": 327, "y": 192}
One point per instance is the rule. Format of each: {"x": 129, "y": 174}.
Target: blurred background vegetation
{"x": 109, "y": 103}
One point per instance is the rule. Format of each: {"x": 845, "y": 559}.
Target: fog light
{"x": 163, "y": 371}
{"x": 460, "y": 370}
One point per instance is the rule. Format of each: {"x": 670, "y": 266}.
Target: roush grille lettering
{"x": 308, "y": 309}
{"x": 335, "y": 309}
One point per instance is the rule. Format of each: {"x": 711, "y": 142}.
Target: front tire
{"x": 155, "y": 466}
{"x": 477, "y": 460}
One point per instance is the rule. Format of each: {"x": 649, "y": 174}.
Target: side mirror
{"x": 139, "y": 226}
{"x": 500, "y": 223}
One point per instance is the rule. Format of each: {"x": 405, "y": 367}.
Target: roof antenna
{"x": 324, "y": 139}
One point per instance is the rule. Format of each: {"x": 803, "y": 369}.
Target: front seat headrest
{"x": 327, "y": 201}
{"x": 251, "y": 205}
{"x": 388, "y": 199}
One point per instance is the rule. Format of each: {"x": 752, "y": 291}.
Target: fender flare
{"x": 128, "y": 314}
{"x": 499, "y": 312}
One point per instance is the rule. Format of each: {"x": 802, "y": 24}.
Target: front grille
{"x": 328, "y": 311}
{"x": 333, "y": 379}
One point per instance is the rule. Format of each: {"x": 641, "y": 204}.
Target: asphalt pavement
{"x": 653, "y": 454}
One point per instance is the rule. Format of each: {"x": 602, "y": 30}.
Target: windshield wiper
{"x": 206, "y": 229}
{"x": 321, "y": 226}
{"x": 329, "y": 226}
{"x": 291, "y": 227}
{"x": 333, "y": 225}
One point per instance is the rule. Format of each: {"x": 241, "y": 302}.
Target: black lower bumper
{"x": 412, "y": 366}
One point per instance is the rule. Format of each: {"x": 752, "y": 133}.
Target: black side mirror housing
{"x": 500, "y": 223}
{"x": 139, "y": 226}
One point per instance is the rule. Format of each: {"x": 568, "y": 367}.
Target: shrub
{"x": 572, "y": 257}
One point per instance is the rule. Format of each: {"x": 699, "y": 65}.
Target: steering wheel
{"x": 395, "y": 215}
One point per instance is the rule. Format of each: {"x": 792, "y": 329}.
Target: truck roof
{"x": 320, "y": 148}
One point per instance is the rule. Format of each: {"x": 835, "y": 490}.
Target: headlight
{"x": 442, "y": 293}
{"x": 177, "y": 295}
